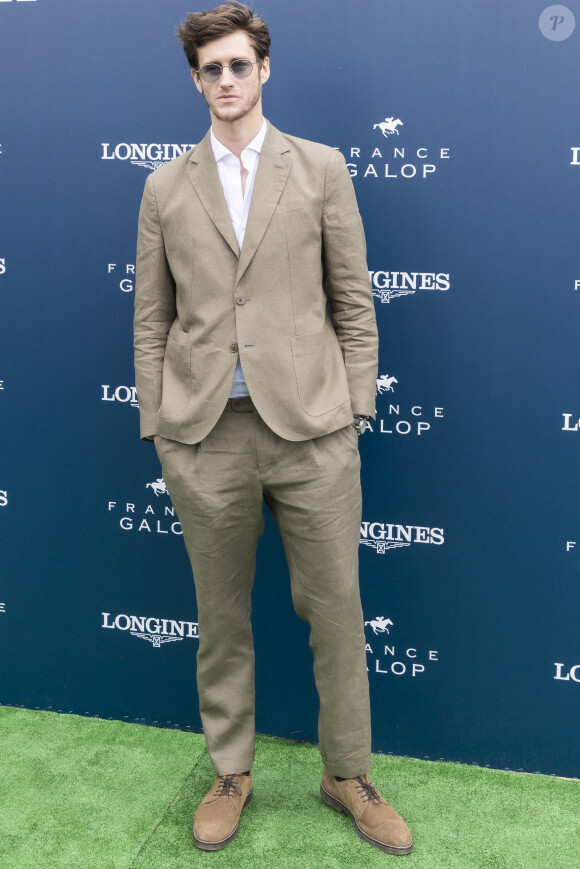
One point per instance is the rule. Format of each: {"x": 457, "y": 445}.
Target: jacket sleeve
{"x": 348, "y": 286}
{"x": 154, "y": 310}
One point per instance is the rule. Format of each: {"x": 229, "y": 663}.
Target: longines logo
{"x": 148, "y": 156}
{"x": 404, "y": 161}
{"x": 382, "y": 536}
{"x": 573, "y": 673}
{"x": 414, "y": 419}
{"x": 2, "y": 265}
{"x": 124, "y": 394}
{"x": 387, "y": 286}
{"x": 395, "y": 660}
{"x": 155, "y": 631}
{"x": 145, "y": 517}
{"x": 575, "y": 161}
{"x": 3, "y": 498}
{"x": 2, "y": 607}
{"x": 126, "y": 280}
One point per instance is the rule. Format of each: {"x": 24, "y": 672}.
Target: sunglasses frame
{"x": 200, "y": 71}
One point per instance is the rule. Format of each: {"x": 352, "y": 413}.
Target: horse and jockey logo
{"x": 380, "y": 625}
{"x": 385, "y": 383}
{"x": 158, "y": 487}
{"x": 388, "y": 127}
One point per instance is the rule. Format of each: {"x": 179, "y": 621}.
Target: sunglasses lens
{"x": 210, "y": 72}
{"x": 241, "y": 68}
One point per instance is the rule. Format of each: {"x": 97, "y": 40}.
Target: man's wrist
{"x": 360, "y": 422}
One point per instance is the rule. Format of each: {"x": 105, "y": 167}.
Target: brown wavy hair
{"x": 201, "y": 27}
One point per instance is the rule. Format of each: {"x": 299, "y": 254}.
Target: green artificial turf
{"x": 83, "y": 793}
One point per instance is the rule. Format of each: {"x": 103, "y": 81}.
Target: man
{"x": 256, "y": 358}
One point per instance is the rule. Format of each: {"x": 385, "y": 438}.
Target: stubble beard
{"x": 241, "y": 113}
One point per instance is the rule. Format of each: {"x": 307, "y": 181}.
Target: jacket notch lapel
{"x": 271, "y": 177}
{"x": 203, "y": 176}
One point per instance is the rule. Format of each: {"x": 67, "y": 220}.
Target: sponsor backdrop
{"x": 460, "y": 128}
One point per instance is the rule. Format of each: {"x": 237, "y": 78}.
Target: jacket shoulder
{"x": 310, "y": 150}
{"x": 173, "y": 169}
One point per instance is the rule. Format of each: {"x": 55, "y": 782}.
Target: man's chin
{"x": 233, "y": 113}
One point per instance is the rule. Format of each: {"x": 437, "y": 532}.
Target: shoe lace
{"x": 226, "y": 786}
{"x": 369, "y": 792}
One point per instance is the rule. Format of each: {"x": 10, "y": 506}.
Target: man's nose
{"x": 227, "y": 78}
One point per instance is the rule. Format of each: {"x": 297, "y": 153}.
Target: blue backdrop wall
{"x": 460, "y": 125}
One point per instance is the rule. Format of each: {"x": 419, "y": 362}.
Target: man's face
{"x": 231, "y": 98}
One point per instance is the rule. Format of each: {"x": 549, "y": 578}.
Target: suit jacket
{"x": 295, "y": 302}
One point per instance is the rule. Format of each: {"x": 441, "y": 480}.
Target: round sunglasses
{"x": 212, "y": 72}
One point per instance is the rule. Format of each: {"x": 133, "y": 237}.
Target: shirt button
{"x": 240, "y": 300}
{"x": 234, "y": 347}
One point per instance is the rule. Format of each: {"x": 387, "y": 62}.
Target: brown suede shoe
{"x": 374, "y": 819}
{"x": 216, "y": 821}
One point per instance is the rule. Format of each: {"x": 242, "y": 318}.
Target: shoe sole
{"x": 340, "y": 807}
{"x": 223, "y": 843}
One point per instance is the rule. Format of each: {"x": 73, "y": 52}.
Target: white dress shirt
{"x": 238, "y": 202}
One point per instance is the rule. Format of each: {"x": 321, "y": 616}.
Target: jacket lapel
{"x": 271, "y": 176}
{"x": 203, "y": 175}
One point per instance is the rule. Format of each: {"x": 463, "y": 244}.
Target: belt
{"x": 240, "y": 405}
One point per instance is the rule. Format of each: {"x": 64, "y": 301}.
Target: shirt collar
{"x": 220, "y": 151}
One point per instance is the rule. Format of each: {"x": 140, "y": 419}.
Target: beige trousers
{"x": 312, "y": 489}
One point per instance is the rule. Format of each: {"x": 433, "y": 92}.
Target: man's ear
{"x": 196, "y": 80}
{"x": 265, "y": 70}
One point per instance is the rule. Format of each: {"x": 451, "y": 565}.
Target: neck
{"x": 237, "y": 135}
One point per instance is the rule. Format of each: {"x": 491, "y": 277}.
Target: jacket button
{"x": 234, "y": 347}
{"x": 240, "y": 300}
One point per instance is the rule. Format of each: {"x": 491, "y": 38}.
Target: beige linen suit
{"x": 296, "y": 304}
